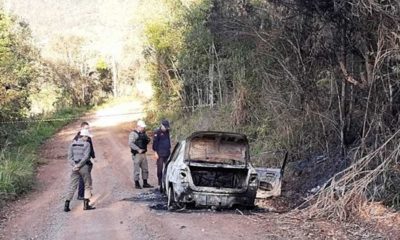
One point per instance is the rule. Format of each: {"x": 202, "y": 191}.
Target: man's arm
{"x": 86, "y": 155}
{"x": 155, "y": 141}
{"x": 71, "y": 156}
{"x": 147, "y": 139}
{"x": 169, "y": 140}
{"x": 131, "y": 142}
{"x": 92, "y": 155}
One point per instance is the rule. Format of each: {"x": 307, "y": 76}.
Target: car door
{"x": 270, "y": 180}
{"x": 170, "y": 161}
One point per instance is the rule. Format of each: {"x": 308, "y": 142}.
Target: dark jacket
{"x": 162, "y": 143}
{"x": 92, "y": 155}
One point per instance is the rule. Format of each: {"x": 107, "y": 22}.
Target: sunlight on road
{"x": 121, "y": 113}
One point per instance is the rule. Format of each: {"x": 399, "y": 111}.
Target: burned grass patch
{"x": 154, "y": 199}
{"x": 150, "y": 196}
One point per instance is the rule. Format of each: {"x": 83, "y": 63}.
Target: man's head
{"x": 85, "y": 134}
{"x": 84, "y": 125}
{"x": 140, "y": 125}
{"x": 165, "y": 125}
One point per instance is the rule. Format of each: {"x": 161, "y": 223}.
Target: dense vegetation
{"x": 31, "y": 89}
{"x": 17, "y": 59}
{"x": 57, "y": 69}
{"x": 313, "y": 77}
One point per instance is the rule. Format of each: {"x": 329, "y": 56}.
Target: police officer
{"x": 78, "y": 155}
{"x": 162, "y": 148}
{"x": 138, "y": 141}
{"x": 81, "y": 188}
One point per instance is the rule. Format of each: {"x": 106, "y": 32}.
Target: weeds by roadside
{"x": 16, "y": 172}
{"x": 18, "y": 151}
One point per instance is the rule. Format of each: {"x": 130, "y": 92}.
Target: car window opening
{"x": 218, "y": 177}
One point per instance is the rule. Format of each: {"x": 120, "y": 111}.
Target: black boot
{"x": 137, "y": 185}
{"x": 66, "y": 206}
{"x": 86, "y": 205}
{"x": 146, "y": 185}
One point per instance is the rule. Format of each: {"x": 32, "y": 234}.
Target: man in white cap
{"x": 138, "y": 141}
{"x": 81, "y": 188}
{"x": 78, "y": 155}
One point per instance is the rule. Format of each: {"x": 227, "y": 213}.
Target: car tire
{"x": 171, "y": 198}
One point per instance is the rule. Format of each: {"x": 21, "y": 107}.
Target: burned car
{"x": 211, "y": 169}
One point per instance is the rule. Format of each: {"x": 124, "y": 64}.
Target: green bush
{"x": 16, "y": 172}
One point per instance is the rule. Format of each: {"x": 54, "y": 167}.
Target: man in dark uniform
{"x": 138, "y": 141}
{"x": 81, "y": 189}
{"x": 78, "y": 156}
{"x": 162, "y": 148}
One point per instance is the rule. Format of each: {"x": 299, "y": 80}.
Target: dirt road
{"x": 126, "y": 213}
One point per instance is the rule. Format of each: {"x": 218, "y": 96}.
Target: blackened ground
{"x": 303, "y": 178}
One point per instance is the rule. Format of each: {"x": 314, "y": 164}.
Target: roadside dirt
{"x": 126, "y": 213}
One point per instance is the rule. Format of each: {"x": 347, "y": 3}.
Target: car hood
{"x": 217, "y": 148}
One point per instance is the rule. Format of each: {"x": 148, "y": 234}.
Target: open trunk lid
{"x": 217, "y": 148}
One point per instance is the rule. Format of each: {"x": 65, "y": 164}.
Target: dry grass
{"x": 350, "y": 189}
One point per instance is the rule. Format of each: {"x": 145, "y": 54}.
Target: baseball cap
{"x": 141, "y": 123}
{"x": 165, "y": 123}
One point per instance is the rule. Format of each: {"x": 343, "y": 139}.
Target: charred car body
{"x": 211, "y": 169}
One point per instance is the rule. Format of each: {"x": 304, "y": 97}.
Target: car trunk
{"x": 218, "y": 177}
{"x": 218, "y": 160}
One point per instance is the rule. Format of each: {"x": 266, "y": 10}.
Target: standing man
{"x": 138, "y": 141}
{"x": 78, "y": 156}
{"x": 81, "y": 189}
{"x": 162, "y": 148}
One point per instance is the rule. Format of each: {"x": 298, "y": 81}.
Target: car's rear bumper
{"x": 219, "y": 199}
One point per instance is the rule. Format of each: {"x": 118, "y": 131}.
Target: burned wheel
{"x": 173, "y": 203}
{"x": 171, "y": 198}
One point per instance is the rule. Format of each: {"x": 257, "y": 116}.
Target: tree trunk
{"x": 220, "y": 75}
{"x": 211, "y": 84}
{"x": 199, "y": 100}
{"x": 114, "y": 76}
